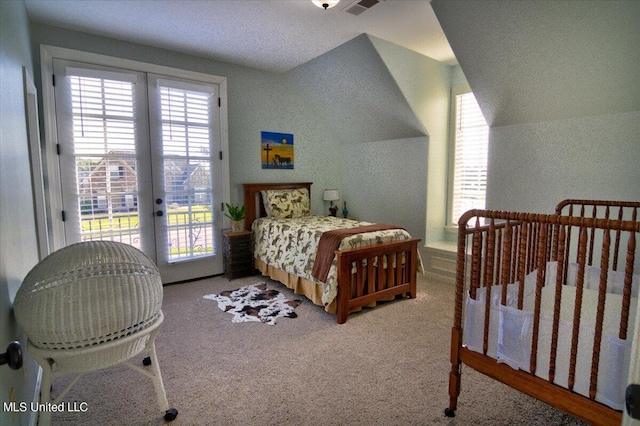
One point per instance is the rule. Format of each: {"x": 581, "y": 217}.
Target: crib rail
{"x": 620, "y": 210}
{"x": 508, "y": 247}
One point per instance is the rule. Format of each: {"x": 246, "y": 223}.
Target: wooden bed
{"x": 368, "y": 284}
{"x": 572, "y": 263}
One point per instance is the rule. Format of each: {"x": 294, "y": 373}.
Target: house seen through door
{"x": 139, "y": 159}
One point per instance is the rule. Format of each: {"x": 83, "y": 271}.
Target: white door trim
{"x": 35, "y": 157}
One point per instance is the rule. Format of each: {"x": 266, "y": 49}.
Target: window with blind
{"x": 470, "y": 140}
{"x": 104, "y": 145}
{"x": 140, "y": 162}
{"x": 186, "y": 152}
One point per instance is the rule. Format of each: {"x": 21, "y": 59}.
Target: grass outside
{"x": 127, "y": 221}
{"x": 177, "y": 253}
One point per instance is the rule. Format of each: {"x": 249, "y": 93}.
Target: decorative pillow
{"x": 286, "y": 203}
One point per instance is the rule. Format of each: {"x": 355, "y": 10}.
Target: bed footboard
{"x": 382, "y": 272}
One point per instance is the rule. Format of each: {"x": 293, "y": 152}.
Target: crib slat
{"x": 522, "y": 264}
{"x": 557, "y": 302}
{"x": 628, "y": 279}
{"x": 488, "y": 280}
{"x": 540, "y": 277}
{"x": 514, "y": 249}
{"x": 582, "y": 249}
{"x": 506, "y": 262}
{"x": 461, "y": 271}
{"x": 568, "y": 244}
{"x": 593, "y": 234}
{"x": 476, "y": 246}
{"x": 617, "y": 245}
{"x": 602, "y": 293}
{"x": 531, "y": 249}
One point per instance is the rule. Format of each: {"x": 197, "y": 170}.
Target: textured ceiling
{"x": 273, "y": 35}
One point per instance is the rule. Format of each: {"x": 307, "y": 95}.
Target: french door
{"x": 139, "y": 164}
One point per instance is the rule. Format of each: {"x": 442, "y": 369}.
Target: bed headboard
{"x": 253, "y": 197}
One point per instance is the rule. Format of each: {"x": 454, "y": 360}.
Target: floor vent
{"x": 361, "y": 6}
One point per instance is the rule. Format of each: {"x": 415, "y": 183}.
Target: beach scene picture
{"x": 277, "y": 150}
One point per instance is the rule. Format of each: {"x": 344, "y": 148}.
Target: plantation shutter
{"x": 186, "y": 128}
{"x": 470, "y": 164}
{"x": 100, "y": 149}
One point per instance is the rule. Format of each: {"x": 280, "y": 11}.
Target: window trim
{"x": 461, "y": 89}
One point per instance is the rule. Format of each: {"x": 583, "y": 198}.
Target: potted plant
{"x": 236, "y": 214}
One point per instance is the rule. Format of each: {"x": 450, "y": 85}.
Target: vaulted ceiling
{"x": 535, "y": 61}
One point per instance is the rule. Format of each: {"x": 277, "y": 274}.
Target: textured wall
{"x": 534, "y": 166}
{"x": 366, "y": 102}
{"x": 559, "y": 84}
{"x": 380, "y": 101}
{"x": 385, "y": 182}
{"x": 18, "y": 244}
{"x": 355, "y": 92}
{"x": 426, "y": 84}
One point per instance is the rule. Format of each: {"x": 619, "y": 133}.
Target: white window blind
{"x": 104, "y": 145}
{"x": 186, "y": 119}
{"x": 470, "y": 160}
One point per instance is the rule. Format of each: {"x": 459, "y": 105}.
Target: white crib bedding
{"x": 511, "y": 331}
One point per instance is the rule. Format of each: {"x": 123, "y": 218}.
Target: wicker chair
{"x": 90, "y": 306}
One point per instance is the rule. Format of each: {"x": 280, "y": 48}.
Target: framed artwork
{"x": 277, "y": 150}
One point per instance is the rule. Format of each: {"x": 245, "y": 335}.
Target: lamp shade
{"x": 330, "y": 195}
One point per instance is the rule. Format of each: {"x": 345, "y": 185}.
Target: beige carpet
{"x": 385, "y": 366}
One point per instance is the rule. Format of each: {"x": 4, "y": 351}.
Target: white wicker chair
{"x": 90, "y": 306}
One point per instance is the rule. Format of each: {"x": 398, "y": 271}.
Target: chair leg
{"x": 44, "y": 416}
{"x": 157, "y": 379}
{"x": 170, "y": 413}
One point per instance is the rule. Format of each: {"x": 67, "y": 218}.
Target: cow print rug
{"x": 255, "y": 303}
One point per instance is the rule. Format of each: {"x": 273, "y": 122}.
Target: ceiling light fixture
{"x": 325, "y": 4}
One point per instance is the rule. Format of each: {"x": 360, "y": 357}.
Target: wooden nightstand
{"x": 237, "y": 253}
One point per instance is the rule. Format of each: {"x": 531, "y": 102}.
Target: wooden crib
{"x": 530, "y": 298}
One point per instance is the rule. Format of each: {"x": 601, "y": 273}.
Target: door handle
{"x": 13, "y": 356}
{"x": 158, "y": 201}
{"x": 159, "y": 213}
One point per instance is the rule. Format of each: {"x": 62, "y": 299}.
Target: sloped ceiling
{"x": 534, "y": 61}
{"x": 354, "y": 91}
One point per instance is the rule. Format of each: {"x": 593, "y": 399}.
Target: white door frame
{"x": 52, "y": 176}
{"x": 35, "y": 157}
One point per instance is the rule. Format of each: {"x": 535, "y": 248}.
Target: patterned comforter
{"x": 290, "y": 245}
